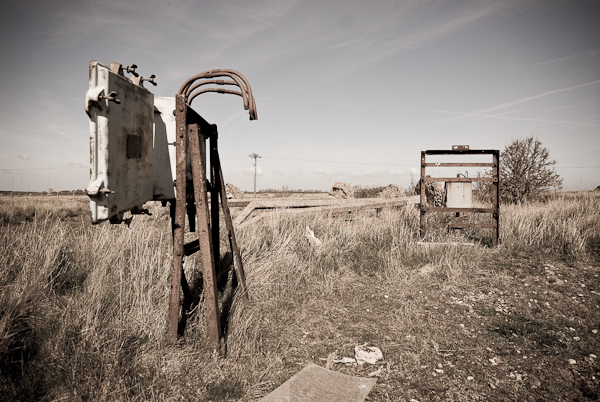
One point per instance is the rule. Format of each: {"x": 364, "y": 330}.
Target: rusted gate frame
{"x": 192, "y": 132}
{"x": 494, "y": 210}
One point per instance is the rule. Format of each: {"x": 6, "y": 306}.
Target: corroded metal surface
{"x": 494, "y": 180}
{"x": 179, "y": 218}
{"x": 237, "y": 79}
{"x": 211, "y": 302}
{"x": 121, "y": 152}
{"x": 237, "y": 257}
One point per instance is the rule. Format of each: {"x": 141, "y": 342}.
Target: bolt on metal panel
{"x": 121, "y": 116}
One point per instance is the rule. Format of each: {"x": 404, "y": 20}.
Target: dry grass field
{"x": 83, "y": 308}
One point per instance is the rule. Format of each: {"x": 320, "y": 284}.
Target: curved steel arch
{"x": 245, "y": 91}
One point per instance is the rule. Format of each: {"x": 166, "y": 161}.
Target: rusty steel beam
{"x": 458, "y": 164}
{"x": 495, "y": 198}
{"x": 423, "y": 199}
{"x": 472, "y": 210}
{"x": 211, "y": 301}
{"x": 462, "y": 225}
{"x": 179, "y": 218}
{"x": 237, "y": 258}
{"x": 462, "y": 152}
{"x": 462, "y": 179}
{"x": 215, "y": 189}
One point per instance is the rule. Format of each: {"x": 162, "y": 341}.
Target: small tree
{"x": 526, "y": 169}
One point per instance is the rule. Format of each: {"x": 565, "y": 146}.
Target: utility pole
{"x": 253, "y": 155}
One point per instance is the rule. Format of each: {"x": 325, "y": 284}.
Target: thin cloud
{"x": 384, "y": 47}
{"x": 518, "y": 101}
{"x": 566, "y": 59}
{"x": 26, "y": 157}
{"x": 327, "y": 174}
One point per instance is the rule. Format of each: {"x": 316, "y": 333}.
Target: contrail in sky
{"x": 516, "y": 102}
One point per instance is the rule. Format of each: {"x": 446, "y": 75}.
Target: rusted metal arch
{"x": 236, "y": 82}
{"x": 218, "y": 90}
{"x": 246, "y": 89}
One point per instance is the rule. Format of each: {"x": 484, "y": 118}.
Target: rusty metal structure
{"x": 192, "y": 133}
{"x": 460, "y": 222}
{"x": 145, "y": 148}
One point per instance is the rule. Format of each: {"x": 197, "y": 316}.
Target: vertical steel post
{"x": 237, "y": 258}
{"x": 495, "y": 198}
{"x": 179, "y": 216}
{"x": 211, "y": 301}
{"x": 422, "y": 194}
{"x": 215, "y": 190}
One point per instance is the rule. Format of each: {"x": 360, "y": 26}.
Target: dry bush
{"x": 367, "y": 191}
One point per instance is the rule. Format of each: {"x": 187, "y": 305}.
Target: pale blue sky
{"x": 367, "y": 83}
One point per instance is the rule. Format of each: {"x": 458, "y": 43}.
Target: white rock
{"x": 310, "y": 236}
{"x": 571, "y": 361}
{"x": 367, "y": 354}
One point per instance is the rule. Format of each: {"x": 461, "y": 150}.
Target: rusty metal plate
{"x": 315, "y": 383}
{"x": 121, "y": 116}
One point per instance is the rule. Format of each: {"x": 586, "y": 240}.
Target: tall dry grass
{"x": 83, "y": 308}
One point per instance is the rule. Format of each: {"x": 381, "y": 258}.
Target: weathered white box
{"x": 459, "y": 195}
{"x": 121, "y": 149}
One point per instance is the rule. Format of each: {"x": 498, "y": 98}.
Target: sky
{"x": 348, "y": 91}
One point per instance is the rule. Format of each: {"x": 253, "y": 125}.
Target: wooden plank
{"x": 238, "y": 203}
{"x": 341, "y": 208}
{"x": 245, "y": 213}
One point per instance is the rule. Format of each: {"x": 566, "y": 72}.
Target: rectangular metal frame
{"x": 494, "y": 210}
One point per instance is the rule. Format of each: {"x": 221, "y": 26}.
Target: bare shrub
{"x": 526, "y": 169}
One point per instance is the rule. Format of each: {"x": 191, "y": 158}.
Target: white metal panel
{"x": 459, "y": 195}
{"x": 163, "y": 165}
{"x": 120, "y": 144}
